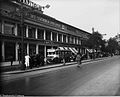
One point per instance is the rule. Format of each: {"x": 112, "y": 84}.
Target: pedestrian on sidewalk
{"x": 11, "y": 60}
{"x": 78, "y": 59}
{"x": 63, "y": 57}
{"x": 27, "y": 57}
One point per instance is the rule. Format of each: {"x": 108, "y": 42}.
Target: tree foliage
{"x": 112, "y": 45}
{"x": 94, "y": 41}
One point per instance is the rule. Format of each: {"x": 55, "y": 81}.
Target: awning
{"x": 50, "y": 50}
{"x": 89, "y": 50}
{"x": 66, "y": 48}
{"x": 61, "y": 48}
{"x": 72, "y": 50}
{"x": 75, "y": 50}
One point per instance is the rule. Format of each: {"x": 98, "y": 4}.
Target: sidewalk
{"x": 5, "y": 64}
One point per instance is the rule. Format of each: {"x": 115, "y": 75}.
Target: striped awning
{"x": 72, "y": 50}
{"x": 61, "y": 48}
{"x": 75, "y": 50}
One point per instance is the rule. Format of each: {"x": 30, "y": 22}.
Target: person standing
{"x": 11, "y": 60}
{"x": 27, "y": 57}
{"x": 78, "y": 59}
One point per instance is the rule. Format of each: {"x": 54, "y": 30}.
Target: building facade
{"x": 41, "y": 32}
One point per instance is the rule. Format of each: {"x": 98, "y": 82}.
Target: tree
{"x": 112, "y": 45}
{"x": 95, "y": 41}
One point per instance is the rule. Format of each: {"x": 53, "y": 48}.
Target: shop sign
{"x": 30, "y": 3}
{"x": 44, "y": 20}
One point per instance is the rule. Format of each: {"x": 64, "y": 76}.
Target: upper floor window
{"x": 79, "y": 41}
{"x": 54, "y": 36}
{"x": 19, "y": 32}
{"x": 60, "y": 37}
{"x": 72, "y": 39}
{"x": 40, "y": 34}
{"x": 68, "y": 39}
{"x": 9, "y": 28}
{"x": 48, "y": 35}
{"x": 31, "y": 32}
{"x": 64, "y": 38}
{"x": 75, "y": 40}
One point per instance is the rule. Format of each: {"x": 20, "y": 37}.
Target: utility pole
{"x": 22, "y": 36}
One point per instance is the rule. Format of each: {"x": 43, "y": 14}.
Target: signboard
{"x": 30, "y": 3}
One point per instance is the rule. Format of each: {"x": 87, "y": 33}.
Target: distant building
{"x": 41, "y": 32}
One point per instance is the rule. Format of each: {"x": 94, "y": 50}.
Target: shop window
{"x": 9, "y": 50}
{"x": 60, "y": 37}
{"x": 31, "y": 32}
{"x": 48, "y": 35}
{"x": 64, "y": 38}
{"x": 54, "y": 36}
{"x": 9, "y": 28}
{"x": 40, "y": 34}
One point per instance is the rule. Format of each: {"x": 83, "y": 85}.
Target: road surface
{"x": 94, "y": 78}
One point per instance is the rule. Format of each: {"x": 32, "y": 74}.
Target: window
{"x": 9, "y": 28}
{"x": 54, "y": 36}
{"x": 48, "y": 35}
{"x": 79, "y": 41}
{"x": 40, "y": 34}
{"x": 72, "y": 39}
{"x": 68, "y": 39}
{"x": 64, "y": 38}
{"x": 75, "y": 40}
{"x": 31, "y": 32}
{"x": 19, "y": 32}
{"x": 60, "y": 37}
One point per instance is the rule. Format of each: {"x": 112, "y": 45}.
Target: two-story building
{"x": 41, "y": 32}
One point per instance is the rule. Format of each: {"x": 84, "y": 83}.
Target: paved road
{"x": 91, "y": 79}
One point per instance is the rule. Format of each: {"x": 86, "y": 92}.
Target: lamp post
{"x": 22, "y": 38}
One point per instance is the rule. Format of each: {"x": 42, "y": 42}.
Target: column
{"x": 77, "y": 40}
{"x": 28, "y": 48}
{"x": 45, "y": 54}
{"x": 44, "y": 35}
{"x": 15, "y": 29}
{"x": 62, "y": 37}
{"x": 3, "y": 51}
{"x": 66, "y": 39}
{"x": 57, "y": 37}
{"x": 74, "y": 40}
{"x": 36, "y": 33}
{"x": 37, "y": 49}
{"x": 27, "y": 31}
{"x": 16, "y": 50}
{"x": 3, "y": 26}
{"x": 51, "y": 36}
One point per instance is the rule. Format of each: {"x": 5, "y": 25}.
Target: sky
{"x": 103, "y": 15}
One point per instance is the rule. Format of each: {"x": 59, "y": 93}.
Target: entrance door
{"x": 9, "y": 50}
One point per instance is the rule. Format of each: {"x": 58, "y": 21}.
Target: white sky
{"x": 103, "y": 15}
